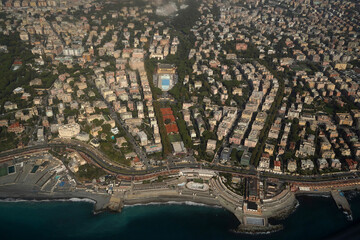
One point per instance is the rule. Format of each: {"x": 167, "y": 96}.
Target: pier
{"x": 341, "y": 201}
{"x": 115, "y": 203}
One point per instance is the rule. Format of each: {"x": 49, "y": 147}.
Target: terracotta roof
{"x": 350, "y": 162}
{"x": 171, "y": 128}
{"x": 15, "y": 125}
{"x": 170, "y": 117}
{"x": 166, "y": 111}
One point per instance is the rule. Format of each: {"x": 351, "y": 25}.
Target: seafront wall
{"x": 168, "y": 198}
{"x": 279, "y": 206}
{"x": 167, "y": 195}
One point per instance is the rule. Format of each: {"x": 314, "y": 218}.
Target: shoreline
{"x": 230, "y": 228}
{"x": 43, "y": 199}
{"x": 74, "y": 199}
{"x": 187, "y": 203}
{"x": 314, "y": 194}
{"x": 176, "y": 200}
{"x": 326, "y": 194}
{"x": 100, "y": 203}
{"x": 93, "y": 202}
{"x": 19, "y": 193}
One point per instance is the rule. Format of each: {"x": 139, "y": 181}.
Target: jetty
{"x": 115, "y": 203}
{"x": 341, "y": 201}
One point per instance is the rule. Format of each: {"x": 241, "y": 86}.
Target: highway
{"x": 119, "y": 171}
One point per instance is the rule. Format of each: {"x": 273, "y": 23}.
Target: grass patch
{"x": 3, "y": 171}
{"x": 89, "y": 172}
{"x": 113, "y": 154}
{"x": 175, "y": 138}
{"x": 198, "y": 180}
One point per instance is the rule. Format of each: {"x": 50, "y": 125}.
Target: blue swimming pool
{"x": 165, "y": 84}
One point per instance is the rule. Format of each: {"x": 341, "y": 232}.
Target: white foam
{"x": 82, "y": 200}
{"x": 324, "y": 195}
{"x": 49, "y": 200}
{"x": 13, "y": 200}
{"x": 194, "y": 203}
{"x": 189, "y": 203}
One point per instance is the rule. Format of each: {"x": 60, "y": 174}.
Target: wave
{"x": 82, "y": 200}
{"x": 255, "y": 233}
{"x": 314, "y": 194}
{"x": 15, "y": 200}
{"x": 194, "y": 203}
{"x": 188, "y": 203}
{"x": 251, "y": 233}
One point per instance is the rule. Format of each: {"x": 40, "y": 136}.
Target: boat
{"x": 348, "y": 215}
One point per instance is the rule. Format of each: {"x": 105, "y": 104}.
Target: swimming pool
{"x": 165, "y": 82}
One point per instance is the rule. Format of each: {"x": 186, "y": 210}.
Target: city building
{"x": 165, "y": 76}
{"x": 69, "y": 130}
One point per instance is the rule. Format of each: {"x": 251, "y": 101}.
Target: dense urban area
{"x": 238, "y": 103}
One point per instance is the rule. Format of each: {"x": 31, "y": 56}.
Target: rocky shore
{"x": 259, "y": 229}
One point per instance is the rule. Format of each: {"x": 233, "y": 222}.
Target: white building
{"x": 40, "y": 134}
{"x": 69, "y": 130}
{"x": 143, "y": 138}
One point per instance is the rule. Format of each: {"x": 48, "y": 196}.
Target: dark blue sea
{"x": 314, "y": 218}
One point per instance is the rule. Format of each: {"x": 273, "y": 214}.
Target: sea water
{"x": 314, "y": 218}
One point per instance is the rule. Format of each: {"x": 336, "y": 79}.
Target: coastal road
{"x": 95, "y": 158}
{"x": 119, "y": 171}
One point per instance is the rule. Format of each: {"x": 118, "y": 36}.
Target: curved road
{"x": 116, "y": 170}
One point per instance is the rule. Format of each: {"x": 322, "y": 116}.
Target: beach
{"x": 25, "y": 192}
